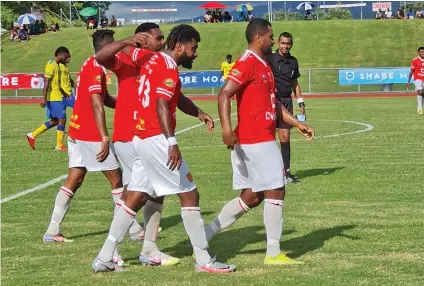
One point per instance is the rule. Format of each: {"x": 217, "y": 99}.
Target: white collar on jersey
{"x": 258, "y": 57}
{"x": 170, "y": 58}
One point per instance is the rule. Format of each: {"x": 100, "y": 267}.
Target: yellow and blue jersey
{"x": 52, "y": 72}
{"x": 65, "y": 79}
{"x": 226, "y": 68}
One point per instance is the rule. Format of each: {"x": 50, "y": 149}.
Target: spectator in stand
{"x": 53, "y": 27}
{"x": 37, "y": 27}
{"x": 43, "y": 27}
{"x": 419, "y": 13}
{"x": 90, "y": 23}
{"x": 23, "y": 34}
{"x": 208, "y": 17}
{"x": 389, "y": 14}
{"x": 227, "y": 17}
{"x": 113, "y": 21}
{"x": 378, "y": 14}
{"x": 220, "y": 17}
{"x": 410, "y": 14}
{"x": 400, "y": 14}
{"x": 250, "y": 16}
{"x": 14, "y": 35}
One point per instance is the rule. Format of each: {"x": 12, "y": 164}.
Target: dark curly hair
{"x": 181, "y": 34}
{"x": 99, "y": 36}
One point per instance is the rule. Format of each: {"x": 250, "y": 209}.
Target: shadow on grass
{"x": 166, "y": 222}
{"x": 316, "y": 172}
{"x": 301, "y": 245}
{"x": 226, "y": 244}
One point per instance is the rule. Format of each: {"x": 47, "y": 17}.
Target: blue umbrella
{"x": 26, "y": 19}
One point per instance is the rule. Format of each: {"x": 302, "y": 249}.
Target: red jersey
{"x": 91, "y": 80}
{"x": 127, "y": 73}
{"x": 159, "y": 78}
{"x": 255, "y": 100}
{"x": 418, "y": 65}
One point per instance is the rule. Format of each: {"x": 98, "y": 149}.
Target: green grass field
{"x": 318, "y": 44}
{"x": 356, "y": 218}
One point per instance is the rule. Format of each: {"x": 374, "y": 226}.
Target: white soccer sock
{"x": 193, "y": 224}
{"x": 120, "y": 226}
{"x": 152, "y": 213}
{"x": 228, "y": 215}
{"x": 273, "y": 220}
{"x": 135, "y": 226}
{"x": 61, "y": 206}
{"x": 420, "y": 101}
{"x": 116, "y": 196}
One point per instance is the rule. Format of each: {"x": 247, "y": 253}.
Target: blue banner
{"x": 201, "y": 79}
{"x": 374, "y": 76}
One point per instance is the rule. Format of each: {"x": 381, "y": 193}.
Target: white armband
{"x": 172, "y": 141}
{"x": 300, "y": 100}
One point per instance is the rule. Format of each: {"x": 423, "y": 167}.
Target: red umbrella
{"x": 213, "y": 5}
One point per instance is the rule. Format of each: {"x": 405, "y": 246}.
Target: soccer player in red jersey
{"x": 127, "y": 67}
{"x": 417, "y": 69}
{"x": 89, "y": 148}
{"x": 158, "y": 156}
{"x": 256, "y": 161}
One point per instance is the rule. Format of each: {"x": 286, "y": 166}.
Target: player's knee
{"x": 135, "y": 200}
{"x": 189, "y": 199}
{"x": 53, "y": 122}
{"x": 285, "y": 136}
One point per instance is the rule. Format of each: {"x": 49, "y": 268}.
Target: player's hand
{"x": 306, "y": 131}
{"x": 207, "y": 119}
{"x": 43, "y": 103}
{"x": 174, "y": 158}
{"x": 104, "y": 152}
{"x": 139, "y": 39}
{"x": 229, "y": 139}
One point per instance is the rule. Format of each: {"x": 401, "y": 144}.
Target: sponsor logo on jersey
{"x": 235, "y": 72}
{"x": 98, "y": 78}
{"x": 169, "y": 82}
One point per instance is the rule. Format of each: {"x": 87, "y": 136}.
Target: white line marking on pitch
{"x": 58, "y": 179}
{"x": 369, "y": 127}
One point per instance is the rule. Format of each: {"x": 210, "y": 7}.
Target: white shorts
{"x": 126, "y": 156}
{"x": 419, "y": 84}
{"x": 152, "y": 156}
{"x": 82, "y": 154}
{"x": 257, "y": 166}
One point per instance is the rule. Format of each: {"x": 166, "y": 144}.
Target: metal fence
{"x": 312, "y": 81}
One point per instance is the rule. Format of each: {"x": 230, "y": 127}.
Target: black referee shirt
{"x": 285, "y": 69}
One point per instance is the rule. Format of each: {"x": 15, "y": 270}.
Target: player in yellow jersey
{"x": 227, "y": 66}
{"x": 53, "y": 94}
{"x": 67, "y": 85}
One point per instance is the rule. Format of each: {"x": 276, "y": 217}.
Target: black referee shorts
{"x": 288, "y": 104}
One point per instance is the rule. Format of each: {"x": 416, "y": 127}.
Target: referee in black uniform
{"x": 286, "y": 72}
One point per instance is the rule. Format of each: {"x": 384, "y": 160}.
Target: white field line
{"x": 369, "y": 127}
{"x": 58, "y": 179}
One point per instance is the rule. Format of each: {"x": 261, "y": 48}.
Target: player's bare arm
{"x": 411, "y": 72}
{"x": 99, "y": 116}
{"x": 187, "y": 106}
{"x": 47, "y": 82}
{"x": 164, "y": 117}
{"x": 298, "y": 94}
{"x": 288, "y": 118}
{"x": 229, "y": 89}
{"x": 109, "y": 101}
{"x": 106, "y": 56}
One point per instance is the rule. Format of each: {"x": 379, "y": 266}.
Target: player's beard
{"x": 186, "y": 61}
{"x": 267, "y": 51}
